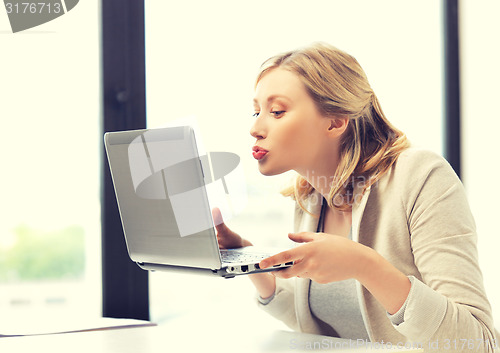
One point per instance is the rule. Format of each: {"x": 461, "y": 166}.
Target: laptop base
{"x": 223, "y": 272}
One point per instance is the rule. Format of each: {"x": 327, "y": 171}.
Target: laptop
{"x": 160, "y": 182}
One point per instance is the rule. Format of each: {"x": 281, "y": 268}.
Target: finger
{"x": 220, "y": 226}
{"x": 217, "y": 216}
{"x": 303, "y": 237}
{"x": 297, "y": 270}
{"x": 281, "y": 258}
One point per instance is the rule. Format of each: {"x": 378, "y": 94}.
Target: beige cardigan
{"x": 418, "y": 218}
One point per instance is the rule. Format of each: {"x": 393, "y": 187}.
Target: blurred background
{"x": 201, "y": 61}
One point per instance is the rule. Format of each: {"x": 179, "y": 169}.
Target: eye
{"x": 278, "y": 113}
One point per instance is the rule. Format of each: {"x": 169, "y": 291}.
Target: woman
{"x": 389, "y": 243}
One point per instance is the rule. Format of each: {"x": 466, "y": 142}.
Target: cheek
{"x": 294, "y": 146}
{"x": 290, "y": 130}
{"x": 297, "y": 136}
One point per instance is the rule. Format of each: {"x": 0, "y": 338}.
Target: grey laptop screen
{"x": 162, "y": 198}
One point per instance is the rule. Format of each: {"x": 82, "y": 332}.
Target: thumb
{"x": 303, "y": 237}
{"x": 217, "y": 218}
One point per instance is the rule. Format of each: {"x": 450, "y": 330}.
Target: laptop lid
{"x": 161, "y": 196}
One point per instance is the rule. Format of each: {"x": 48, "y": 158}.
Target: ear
{"x": 337, "y": 126}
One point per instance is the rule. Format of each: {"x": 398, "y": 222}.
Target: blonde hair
{"x": 339, "y": 87}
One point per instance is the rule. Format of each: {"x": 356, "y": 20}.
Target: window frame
{"x": 125, "y": 292}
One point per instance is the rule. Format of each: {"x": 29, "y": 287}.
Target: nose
{"x": 258, "y": 129}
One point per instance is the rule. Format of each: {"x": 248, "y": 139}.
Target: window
{"x": 202, "y": 58}
{"x": 480, "y": 126}
{"x": 50, "y": 210}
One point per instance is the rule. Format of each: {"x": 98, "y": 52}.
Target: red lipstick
{"x": 258, "y": 152}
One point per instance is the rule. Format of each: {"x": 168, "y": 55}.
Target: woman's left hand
{"x": 324, "y": 258}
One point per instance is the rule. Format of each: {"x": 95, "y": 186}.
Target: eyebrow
{"x": 272, "y": 98}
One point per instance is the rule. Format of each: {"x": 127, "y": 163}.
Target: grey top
{"x": 336, "y": 303}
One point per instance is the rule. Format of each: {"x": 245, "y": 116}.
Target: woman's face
{"x": 290, "y": 132}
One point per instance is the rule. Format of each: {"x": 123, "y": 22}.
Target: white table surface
{"x": 187, "y": 334}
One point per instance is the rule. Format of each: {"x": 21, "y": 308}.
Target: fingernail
{"x": 263, "y": 264}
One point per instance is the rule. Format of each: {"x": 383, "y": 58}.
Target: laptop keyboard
{"x": 235, "y": 256}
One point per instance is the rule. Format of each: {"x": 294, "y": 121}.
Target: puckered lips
{"x": 258, "y": 152}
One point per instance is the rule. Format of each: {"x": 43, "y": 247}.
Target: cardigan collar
{"x": 314, "y": 202}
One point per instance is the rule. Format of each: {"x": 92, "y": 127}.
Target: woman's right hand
{"x": 226, "y": 237}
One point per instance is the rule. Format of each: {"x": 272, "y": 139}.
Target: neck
{"x": 322, "y": 175}
{"x": 321, "y": 182}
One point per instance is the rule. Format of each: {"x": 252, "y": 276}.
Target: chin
{"x": 265, "y": 170}
{"x": 267, "y": 173}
